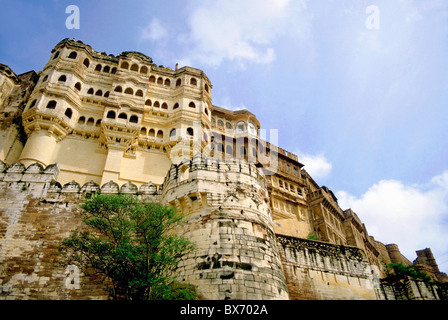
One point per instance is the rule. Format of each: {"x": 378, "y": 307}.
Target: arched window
{"x": 190, "y": 132}
{"x": 160, "y": 80}
{"x": 72, "y": 55}
{"x": 167, "y": 82}
{"x": 122, "y": 116}
{"x": 220, "y": 123}
{"x": 143, "y": 131}
{"x": 164, "y": 105}
{"x": 106, "y": 69}
{"x": 81, "y": 120}
{"x": 78, "y": 86}
{"x": 148, "y": 102}
{"x": 99, "y": 93}
{"x": 62, "y": 78}
{"x": 152, "y": 79}
{"x": 193, "y": 82}
{"x": 114, "y": 70}
{"x": 206, "y": 111}
{"x": 98, "y": 67}
{"x": 68, "y": 113}
{"x": 129, "y": 91}
{"x": 90, "y": 91}
{"x": 51, "y": 104}
{"x": 111, "y": 114}
{"x": 228, "y": 125}
{"x": 206, "y": 88}
{"x": 124, "y": 65}
{"x": 134, "y": 67}
{"x": 118, "y": 89}
{"x": 160, "y": 134}
{"x": 172, "y": 133}
{"x": 139, "y": 93}
{"x": 98, "y": 123}
{"x": 192, "y": 105}
{"x": 152, "y": 133}
{"x": 90, "y": 122}
{"x": 156, "y": 104}
{"x": 86, "y": 62}
{"x": 178, "y": 82}
{"x": 56, "y": 55}
{"x": 45, "y": 78}
{"x": 144, "y": 70}
{"x": 252, "y": 128}
{"x": 133, "y": 119}
{"x": 240, "y": 127}
{"x": 106, "y": 94}
{"x": 176, "y": 105}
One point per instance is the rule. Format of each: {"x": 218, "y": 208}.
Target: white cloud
{"x": 317, "y": 166}
{"x": 155, "y": 31}
{"x": 412, "y": 216}
{"x": 240, "y": 31}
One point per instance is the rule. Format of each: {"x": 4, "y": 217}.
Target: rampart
{"x": 226, "y": 204}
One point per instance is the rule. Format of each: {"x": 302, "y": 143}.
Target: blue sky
{"x": 364, "y": 108}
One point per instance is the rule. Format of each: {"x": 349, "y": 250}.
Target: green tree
{"x": 399, "y": 271}
{"x": 132, "y": 244}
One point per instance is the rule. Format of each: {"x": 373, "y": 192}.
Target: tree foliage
{"x": 399, "y": 271}
{"x": 133, "y": 245}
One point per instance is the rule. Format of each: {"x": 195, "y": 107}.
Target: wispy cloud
{"x": 318, "y": 166}
{"x": 154, "y": 31}
{"x": 239, "y": 31}
{"x": 412, "y": 216}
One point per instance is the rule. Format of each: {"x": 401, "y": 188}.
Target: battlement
{"x": 182, "y": 171}
{"x": 36, "y": 174}
{"x": 47, "y": 177}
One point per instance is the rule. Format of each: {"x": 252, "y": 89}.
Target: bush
{"x": 132, "y": 244}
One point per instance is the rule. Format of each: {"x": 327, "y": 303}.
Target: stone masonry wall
{"x": 229, "y": 219}
{"x": 238, "y": 255}
{"x": 321, "y": 271}
{"x": 32, "y": 221}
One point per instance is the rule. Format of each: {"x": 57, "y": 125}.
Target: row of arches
{"x": 105, "y": 69}
{"x": 134, "y": 67}
{"x": 111, "y": 114}
{"x": 164, "y": 105}
{"x": 129, "y": 90}
{"x": 160, "y": 81}
{"x": 90, "y": 122}
{"x": 151, "y": 132}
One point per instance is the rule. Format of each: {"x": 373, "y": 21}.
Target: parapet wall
{"x": 321, "y": 271}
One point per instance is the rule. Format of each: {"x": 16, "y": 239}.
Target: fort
{"x": 91, "y": 123}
